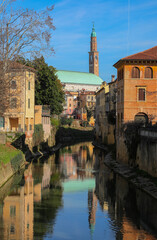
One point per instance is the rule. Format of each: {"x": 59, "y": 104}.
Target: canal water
{"x": 73, "y": 195}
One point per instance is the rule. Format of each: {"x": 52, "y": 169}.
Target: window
{"x": 13, "y": 103}
{"x": 30, "y": 127}
{"x": 118, "y": 96}
{"x": 12, "y": 211}
{"x": 121, "y": 118}
{"x": 12, "y": 229}
{"x": 135, "y": 72}
{"x": 29, "y": 85}
{"x": 122, "y": 95}
{"x": 92, "y": 98}
{"x": 141, "y": 94}
{"x": 148, "y": 72}
{"x": 28, "y": 208}
{"x": 70, "y": 105}
{"x": 13, "y": 84}
{"x": 29, "y": 103}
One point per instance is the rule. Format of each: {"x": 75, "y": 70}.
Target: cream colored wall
{"x": 38, "y": 114}
{"x": 30, "y": 94}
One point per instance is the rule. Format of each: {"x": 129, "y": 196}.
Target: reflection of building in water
{"x": 18, "y": 211}
{"x": 77, "y": 161}
{"x": 68, "y": 166}
{"x": 130, "y": 232}
{"x": 92, "y": 207}
{"x": 42, "y": 180}
{"x": 132, "y": 212}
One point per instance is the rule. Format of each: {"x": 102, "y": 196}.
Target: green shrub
{"x": 55, "y": 122}
{"x": 66, "y": 121}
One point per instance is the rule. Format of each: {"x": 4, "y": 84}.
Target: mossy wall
{"x": 9, "y": 169}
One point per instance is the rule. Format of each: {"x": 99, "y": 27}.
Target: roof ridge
{"x": 143, "y": 52}
{"x": 75, "y": 71}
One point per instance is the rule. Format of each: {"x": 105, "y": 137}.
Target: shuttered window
{"x": 141, "y": 94}
{"x": 135, "y": 72}
{"x": 148, "y": 72}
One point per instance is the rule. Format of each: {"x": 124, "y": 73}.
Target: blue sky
{"x": 123, "y": 27}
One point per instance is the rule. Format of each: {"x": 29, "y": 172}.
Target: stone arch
{"x": 141, "y": 118}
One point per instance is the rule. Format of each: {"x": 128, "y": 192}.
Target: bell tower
{"x": 93, "y": 54}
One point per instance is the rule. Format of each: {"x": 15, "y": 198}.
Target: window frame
{"x": 134, "y": 73}
{"x": 29, "y": 103}
{"x": 138, "y": 89}
{"x": 149, "y": 77}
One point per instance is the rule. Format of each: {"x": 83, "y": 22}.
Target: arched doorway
{"x": 141, "y": 118}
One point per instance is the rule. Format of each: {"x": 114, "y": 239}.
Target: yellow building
{"x": 105, "y": 113}
{"x": 18, "y": 211}
{"x": 101, "y": 113}
{"x": 19, "y": 112}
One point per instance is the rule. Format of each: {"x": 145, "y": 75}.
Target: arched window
{"x": 135, "y": 72}
{"x": 148, "y": 72}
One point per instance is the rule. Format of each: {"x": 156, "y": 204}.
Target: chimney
{"x": 112, "y": 78}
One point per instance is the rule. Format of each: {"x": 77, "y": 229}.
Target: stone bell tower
{"x": 93, "y": 54}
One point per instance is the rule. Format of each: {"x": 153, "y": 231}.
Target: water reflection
{"x": 72, "y": 196}
{"x": 132, "y": 213}
{"x": 77, "y": 161}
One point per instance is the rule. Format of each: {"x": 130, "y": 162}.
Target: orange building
{"x": 137, "y": 87}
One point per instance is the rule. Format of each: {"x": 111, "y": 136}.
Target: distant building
{"x": 75, "y": 83}
{"x": 137, "y": 87}
{"x": 106, "y": 113}
{"x": 101, "y": 121}
{"x": 93, "y": 54}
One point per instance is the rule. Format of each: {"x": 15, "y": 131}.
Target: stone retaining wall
{"x": 9, "y": 169}
{"x": 146, "y": 153}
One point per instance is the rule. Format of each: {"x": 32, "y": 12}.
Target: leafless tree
{"x": 23, "y": 32}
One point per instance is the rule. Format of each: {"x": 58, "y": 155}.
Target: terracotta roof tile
{"x": 149, "y": 54}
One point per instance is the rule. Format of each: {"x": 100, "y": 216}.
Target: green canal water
{"x": 73, "y": 195}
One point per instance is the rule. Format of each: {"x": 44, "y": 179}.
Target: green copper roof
{"x": 93, "y": 34}
{"x": 78, "y": 78}
{"x": 79, "y": 185}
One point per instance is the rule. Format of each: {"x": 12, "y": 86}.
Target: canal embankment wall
{"x": 138, "y": 149}
{"x": 9, "y": 169}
